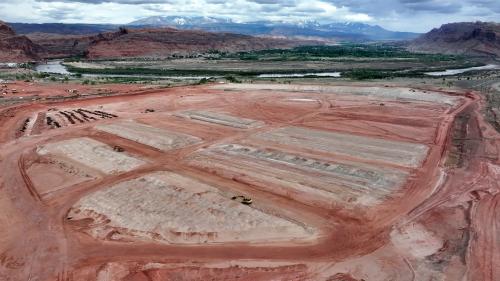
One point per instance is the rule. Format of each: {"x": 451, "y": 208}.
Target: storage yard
{"x": 266, "y": 181}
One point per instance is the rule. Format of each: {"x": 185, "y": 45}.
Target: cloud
{"x": 127, "y": 2}
{"x": 411, "y": 15}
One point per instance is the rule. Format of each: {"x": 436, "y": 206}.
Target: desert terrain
{"x": 238, "y": 181}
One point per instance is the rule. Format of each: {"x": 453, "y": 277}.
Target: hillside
{"x": 165, "y": 42}
{"x": 60, "y": 46}
{"x": 469, "y": 38}
{"x": 309, "y": 29}
{"x": 14, "y": 48}
{"x": 143, "y": 42}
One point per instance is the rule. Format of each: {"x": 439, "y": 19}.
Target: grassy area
{"x": 314, "y": 53}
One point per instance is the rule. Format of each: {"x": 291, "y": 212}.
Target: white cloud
{"x": 410, "y": 15}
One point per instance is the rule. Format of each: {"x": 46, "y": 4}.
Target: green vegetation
{"x": 171, "y": 72}
{"x": 205, "y": 81}
{"x": 368, "y": 63}
{"x": 366, "y": 74}
{"x": 77, "y": 58}
{"x": 232, "y": 79}
{"x": 89, "y": 82}
{"x": 314, "y": 53}
{"x": 40, "y": 75}
{"x": 142, "y": 71}
{"x": 230, "y": 75}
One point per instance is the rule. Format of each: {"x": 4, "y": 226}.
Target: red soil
{"x": 456, "y": 202}
{"x": 164, "y": 42}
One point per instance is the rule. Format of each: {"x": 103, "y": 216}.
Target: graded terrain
{"x": 250, "y": 182}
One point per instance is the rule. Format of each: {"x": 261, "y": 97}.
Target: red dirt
{"x": 164, "y": 42}
{"x": 441, "y": 225}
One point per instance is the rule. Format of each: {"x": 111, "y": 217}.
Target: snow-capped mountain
{"x": 348, "y": 31}
{"x": 179, "y": 21}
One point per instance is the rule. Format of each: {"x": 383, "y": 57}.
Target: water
{"x": 450, "y": 72}
{"x": 56, "y": 67}
{"x": 53, "y": 66}
{"x": 9, "y": 64}
{"x": 299, "y": 75}
{"x": 147, "y": 76}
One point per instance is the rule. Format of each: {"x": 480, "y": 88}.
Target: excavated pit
{"x": 263, "y": 181}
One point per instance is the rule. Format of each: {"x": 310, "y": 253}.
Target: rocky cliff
{"x": 165, "y": 42}
{"x": 469, "y": 38}
{"x": 15, "y": 48}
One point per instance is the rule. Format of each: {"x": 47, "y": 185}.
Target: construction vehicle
{"x": 118, "y": 148}
{"x": 242, "y": 199}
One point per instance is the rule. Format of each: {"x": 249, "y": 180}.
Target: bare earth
{"x": 341, "y": 182}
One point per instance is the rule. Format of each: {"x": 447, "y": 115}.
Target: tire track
{"x": 27, "y": 181}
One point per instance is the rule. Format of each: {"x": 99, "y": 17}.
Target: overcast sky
{"x": 401, "y": 15}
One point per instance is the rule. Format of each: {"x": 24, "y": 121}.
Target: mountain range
{"x": 166, "y": 36}
{"x": 341, "y": 31}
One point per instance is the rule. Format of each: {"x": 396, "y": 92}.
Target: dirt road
{"x": 440, "y": 222}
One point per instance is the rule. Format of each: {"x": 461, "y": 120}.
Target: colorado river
{"x": 53, "y": 66}
{"x": 56, "y": 67}
{"x": 450, "y": 72}
{"x": 298, "y": 75}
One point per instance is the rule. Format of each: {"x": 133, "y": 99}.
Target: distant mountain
{"x": 14, "y": 48}
{"x": 469, "y": 38}
{"x": 62, "y": 28}
{"x": 306, "y": 29}
{"x": 293, "y": 30}
{"x": 179, "y": 21}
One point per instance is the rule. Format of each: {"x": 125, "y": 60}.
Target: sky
{"x": 398, "y": 15}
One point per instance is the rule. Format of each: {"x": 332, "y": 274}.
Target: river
{"x": 450, "y": 72}
{"x": 52, "y": 66}
{"x": 298, "y": 75}
{"x": 56, "y": 67}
